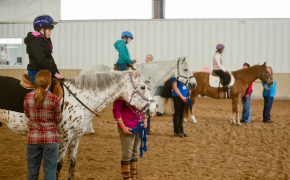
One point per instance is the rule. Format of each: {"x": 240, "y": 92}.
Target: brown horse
{"x": 243, "y": 79}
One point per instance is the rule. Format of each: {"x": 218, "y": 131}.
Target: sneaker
{"x": 185, "y": 135}
{"x": 244, "y": 121}
{"x": 179, "y": 135}
{"x": 159, "y": 114}
{"x": 148, "y": 133}
{"x": 269, "y": 121}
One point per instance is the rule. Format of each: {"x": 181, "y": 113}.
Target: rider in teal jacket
{"x": 124, "y": 57}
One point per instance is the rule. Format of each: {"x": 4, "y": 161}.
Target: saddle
{"x": 55, "y": 87}
{"x": 130, "y": 66}
{"x": 215, "y": 81}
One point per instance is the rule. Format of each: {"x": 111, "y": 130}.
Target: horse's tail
{"x": 187, "y": 112}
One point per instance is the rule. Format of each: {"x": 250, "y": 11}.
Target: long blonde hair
{"x": 42, "y": 80}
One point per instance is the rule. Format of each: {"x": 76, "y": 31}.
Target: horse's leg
{"x": 192, "y": 113}
{"x": 233, "y": 114}
{"x": 237, "y": 101}
{"x": 63, "y": 144}
{"x": 92, "y": 131}
{"x": 71, "y": 156}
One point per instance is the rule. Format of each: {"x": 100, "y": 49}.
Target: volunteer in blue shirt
{"x": 179, "y": 95}
{"x": 268, "y": 94}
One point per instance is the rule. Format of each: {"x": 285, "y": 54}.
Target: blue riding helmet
{"x": 43, "y": 21}
{"x": 127, "y": 33}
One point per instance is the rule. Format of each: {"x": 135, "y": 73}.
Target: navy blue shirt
{"x": 182, "y": 88}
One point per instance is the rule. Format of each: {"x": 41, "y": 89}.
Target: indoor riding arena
{"x": 84, "y": 37}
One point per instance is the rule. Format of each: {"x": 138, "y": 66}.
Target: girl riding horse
{"x": 39, "y": 48}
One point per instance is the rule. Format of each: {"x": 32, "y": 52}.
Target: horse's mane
{"x": 246, "y": 69}
{"x": 100, "y": 80}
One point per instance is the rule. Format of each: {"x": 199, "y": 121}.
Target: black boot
{"x": 226, "y": 92}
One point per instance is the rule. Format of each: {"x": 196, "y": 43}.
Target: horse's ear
{"x": 137, "y": 72}
{"x": 182, "y": 58}
{"x": 264, "y": 64}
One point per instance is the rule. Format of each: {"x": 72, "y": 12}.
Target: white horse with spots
{"x": 97, "y": 91}
{"x": 155, "y": 74}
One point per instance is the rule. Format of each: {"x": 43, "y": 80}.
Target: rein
{"x": 263, "y": 75}
{"x": 105, "y": 119}
{"x": 100, "y": 117}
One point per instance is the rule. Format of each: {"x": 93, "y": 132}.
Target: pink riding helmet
{"x": 220, "y": 46}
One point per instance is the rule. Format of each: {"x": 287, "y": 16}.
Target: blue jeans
{"x": 268, "y": 102}
{"x": 246, "y": 108}
{"x": 122, "y": 67}
{"x": 35, "y": 153}
{"x": 31, "y": 76}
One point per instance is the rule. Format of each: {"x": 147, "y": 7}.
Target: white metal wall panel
{"x": 82, "y": 43}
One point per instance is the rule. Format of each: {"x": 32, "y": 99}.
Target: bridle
{"x": 140, "y": 94}
{"x": 263, "y": 75}
{"x": 178, "y": 75}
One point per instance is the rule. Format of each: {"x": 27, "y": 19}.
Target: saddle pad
{"x": 215, "y": 80}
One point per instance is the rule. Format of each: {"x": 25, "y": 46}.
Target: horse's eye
{"x": 143, "y": 87}
{"x": 185, "y": 69}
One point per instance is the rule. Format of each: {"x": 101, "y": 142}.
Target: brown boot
{"x": 126, "y": 170}
{"x": 133, "y": 168}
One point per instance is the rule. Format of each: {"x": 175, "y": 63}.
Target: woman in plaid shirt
{"x": 44, "y": 111}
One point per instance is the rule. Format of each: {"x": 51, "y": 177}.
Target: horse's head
{"x": 266, "y": 77}
{"x": 137, "y": 94}
{"x": 184, "y": 74}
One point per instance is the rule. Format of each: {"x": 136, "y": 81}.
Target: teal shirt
{"x": 271, "y": 88}
{"x": 124, "y": 56}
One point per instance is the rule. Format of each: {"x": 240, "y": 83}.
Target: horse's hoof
{"x": 91, "y": 133}
{"x": 238, "y": 124}
{"x": 0, "y": 124}
{"x": 194, "y": 121}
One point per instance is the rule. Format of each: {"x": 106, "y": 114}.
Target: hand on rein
{"x": 126, "y": 130}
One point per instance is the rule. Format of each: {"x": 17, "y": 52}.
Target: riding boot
{"x": 133, "y": 164}
{"x": 126, "y": 170}
{"x": 229, "y": 90}
{"x": 226, "y": 91}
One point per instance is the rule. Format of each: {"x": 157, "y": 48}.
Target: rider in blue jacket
{"x": 121, "y": 46}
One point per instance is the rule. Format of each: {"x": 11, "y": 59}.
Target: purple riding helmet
{"x": 220, "y": 46}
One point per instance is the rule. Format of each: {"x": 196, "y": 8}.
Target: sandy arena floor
{"x": 215, "y": 149}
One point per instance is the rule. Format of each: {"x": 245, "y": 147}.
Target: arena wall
{"x": 78, "y": 44}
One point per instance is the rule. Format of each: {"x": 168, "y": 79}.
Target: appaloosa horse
{"x": 96, "y": 91}
{"x": 243, "y": 79}
{"x": 155, "y": 73}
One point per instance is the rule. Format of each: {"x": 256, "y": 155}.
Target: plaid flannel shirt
{"x": 42, "y": 128}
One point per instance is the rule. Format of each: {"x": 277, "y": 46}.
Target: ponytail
{"x": 42, "y": 80}
{"x": 39, "y": 96}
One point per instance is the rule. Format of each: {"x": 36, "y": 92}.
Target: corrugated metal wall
{"x": 81, "y": 43}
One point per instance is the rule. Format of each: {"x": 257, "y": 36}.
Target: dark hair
{"x": 45, "y": 27}
{"x": 246, "y": 64}
{"x": 220, "y": 50}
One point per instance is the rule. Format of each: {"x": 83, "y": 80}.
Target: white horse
{"x": 154, "y": 74}
{"x": 96, "y": 91}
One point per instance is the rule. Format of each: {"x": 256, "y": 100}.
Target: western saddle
{"x": 55, "y": 87}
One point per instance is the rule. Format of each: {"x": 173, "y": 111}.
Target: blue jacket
{"x": 124, "y": 56}
{"x": 272, "y": 89}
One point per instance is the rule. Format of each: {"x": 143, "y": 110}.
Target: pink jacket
{"x": 122, "y": 110}
{"x": 249, "y": 89}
